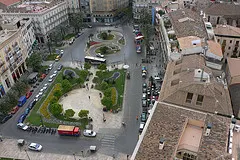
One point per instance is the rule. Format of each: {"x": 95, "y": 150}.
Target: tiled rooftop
{"x": 180, "y": 80}
{"x": 187, "y": 23}
{"x": 227, "y": 30}
{"x": 9, "y": 2}
{"x": 215, "y": 48}
{"x": 168, "y": 122}
{"x": 223, "y": 9}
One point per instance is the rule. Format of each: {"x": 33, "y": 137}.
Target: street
{"x": 120, "y": 140}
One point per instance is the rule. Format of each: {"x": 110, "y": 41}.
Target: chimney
{"x": 161, "y": 143}
{"x": 209, "y": 127}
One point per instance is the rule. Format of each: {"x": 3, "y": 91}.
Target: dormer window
{"x": 199, "y": 100}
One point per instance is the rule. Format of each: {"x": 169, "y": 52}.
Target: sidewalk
{"x": 10, "y": 149}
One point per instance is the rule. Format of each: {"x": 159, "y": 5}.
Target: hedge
{"x": 44, "y": 107}
{"x": 114, "y": 96}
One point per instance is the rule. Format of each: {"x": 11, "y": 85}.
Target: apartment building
{"x": 229, "y": 38}
{"x": 16, "y": 42}
{"x": 186, "y": 122}
{"x": 73, "y": 6}
{"x": 107, "y": 10}
{"x": 45, "y": 15}
{"x": 85, "y": 9}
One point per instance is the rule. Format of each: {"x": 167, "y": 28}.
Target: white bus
{"x": 94, "y": 60}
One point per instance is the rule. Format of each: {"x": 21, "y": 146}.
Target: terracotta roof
{"x": 188, "y": 23}
{"x": 187, "y": 42}
{"x": 9, "y": 2}
{"x": 235, "y": 98}
{"x": 234, "y": 65}
{"x": 222, "y": 9}
{"x": 180, "y": 80}
{"x": 168, "y": 122}
{"x": 215, "y": 48}
{"x": 227, "y": 30}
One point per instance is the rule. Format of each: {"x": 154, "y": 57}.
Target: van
{"x": 142, "y": 124}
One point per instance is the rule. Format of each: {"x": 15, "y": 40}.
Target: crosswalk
{"x": 108, "y": 141}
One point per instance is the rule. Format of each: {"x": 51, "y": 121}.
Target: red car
{"x": 28, "y": 94}
{"x": 43, "y": 76}
{"x": 14, "y": 110}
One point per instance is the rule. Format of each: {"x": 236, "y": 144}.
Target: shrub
{"x": 80, "y": 80}
{"x": 106, "y": 101}
{"x": 57, "y": 94}
{"x": 108, "y": 92}
{"x": 66, "y": 86}
{"x": 103, "y": 50}
{"x": 69, "y": 113}
{"x": 83, "y": 73}
{"x": 114, "y": 96}
{"x": 99, "y": 74}
{"x": 54, "y": 100}
{"x": 104, "y": 35}
{"x": 83, "y": 113}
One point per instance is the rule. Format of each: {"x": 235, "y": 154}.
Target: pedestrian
{"x": 136, "y": 64}
{"x": 127, "y": 156}
{"x": 89, "y": 97}
{"x": 136, "y": 117}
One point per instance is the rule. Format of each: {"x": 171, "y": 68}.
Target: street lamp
{"x": 27, "y": 154}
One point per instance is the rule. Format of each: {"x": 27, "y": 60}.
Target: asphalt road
{"x": 126, "y": 141}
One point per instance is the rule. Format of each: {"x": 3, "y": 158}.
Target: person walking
{"x": 89, "y": 97}
{"x": 136, "y": 117}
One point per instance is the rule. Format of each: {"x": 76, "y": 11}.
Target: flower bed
{"x": 44, "y": 107}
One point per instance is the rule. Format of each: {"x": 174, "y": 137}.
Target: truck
{"x": 64, "y": 130}
{"x": 22, "y": 100}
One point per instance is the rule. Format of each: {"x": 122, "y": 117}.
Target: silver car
{"x": 89, "y": 133}
{"x": 35, "y": 147}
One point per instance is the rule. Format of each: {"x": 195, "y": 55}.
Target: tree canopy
{"x": 34, "y": 62}
{"x": 69, "y": 113}
{"x": 83, "y": 113}
{"x": 56, "y": 109}
{"x": 76, "y": 21}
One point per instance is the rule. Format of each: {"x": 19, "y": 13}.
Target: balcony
{"x": 3, "y": 70}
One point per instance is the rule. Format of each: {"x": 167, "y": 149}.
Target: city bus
{"x": 94, "y": 60}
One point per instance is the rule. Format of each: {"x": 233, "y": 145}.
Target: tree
{"x": 104, "y": 35}
{"x": 87, "y": 65}
{"x": 83, "y": 74}
{"x": 66, "y": 86}
{"x": 55, "y": 37}
{"x": 62, "y": 28}
{"x": 161, "y": 12}
{"x": 56, "y": 109}
{"x": 106, "y": 101}
{"x": 34, "y": 62}
{"x": 80, "y": 80}
{"x": 69, "y": 113}
{"x": 57, "y": 93}
{"x": 19, "y": 88}
{"x": 83, "y": 113}
{"x": 76, "y": 21}
{"x": 102, "y": 67}
{"x": 108, "y": 92}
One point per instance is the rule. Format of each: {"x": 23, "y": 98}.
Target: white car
{"x": 45, "y": 85}
{"x": 35, "y": 147}
{"x": 22, "y": 126}
{"x": 41, "y": 90}
{"x": 50, "y": 79}
{"x": 100, "y": 55}
{"x": 62, "y": 51}
{"x": 89, "y": 133}
{"x": 107, "y": 24}
{"x": 55, "y": 72}
{"x": 44, "y": 88}
{"x": 40, "y": 94}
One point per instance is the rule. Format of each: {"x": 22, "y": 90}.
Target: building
{"x": 73, "y": 6}
{"x": 223, "y": 13}
{"x": 15, "y": 45}
{"x": 229, "y": 38}
{"x": 107, "y": 10}
{"x": 85, "y": 9}
{"x": 9, "y": 3}
{"x": 187, "y": 121}
{"x": 46, "y": 15}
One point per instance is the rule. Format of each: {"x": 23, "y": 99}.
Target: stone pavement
{"x": 10, "y": 149}
{"x": 89, "y": 99}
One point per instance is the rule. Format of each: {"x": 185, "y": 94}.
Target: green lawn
{"x": 109, "y": 36}
{"x": 121, "y": 41}
{"x": 34, "y": 117}
{"x": 69, "y": 36}
{"x": 51, "y": 57}
{"x": 119, "y": 85}
{"x": 109, "y": 51}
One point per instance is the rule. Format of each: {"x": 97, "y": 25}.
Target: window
{"x": 189, "y": 97}
{"x": 199, "y": 100}
{"x": 230, "y": 41}
{"x": 174, "y": 82}
{"x": 229, "y": 48}
{"x": 218, "y": 40}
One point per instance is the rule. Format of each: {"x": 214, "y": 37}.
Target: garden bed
{"x": 105, "y": 36}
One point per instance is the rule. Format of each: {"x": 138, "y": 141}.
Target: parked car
{"x": 108, "y": 24}
{"x": 30, "y": 106}
{"x": 37, "y": 97}
{"x": 14, "y": 110}
{"x": 142, "y": 124}
{"x": 144, "y": 96}
{"x": 144, "y": 90}
{"x": 89, "y": 133}
{"x": 55, "y": 72}
{"x": 22, "y": 126}
{"x": 143, "y": 117}
{"x": 144, "y": 85}
{"x": 60, "y": 67}
{"x": 57, "y": 58}
{"x": 89, "y": 26}
{"x": 22, "y": 118}
{"x": 50, "y": 66}
{"x": 6, "y": 118}
{"x": 99, "y": 55}
{"x": 71, "y": 41}
{"x": 35, "y": 147}
{"x": 27, "y": 110}
{"x": 144, "y": 103}
{"x": 50, "y": 80}
{"x": 43, "y": 76}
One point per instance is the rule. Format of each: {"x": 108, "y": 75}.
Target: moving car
{"x": 89, "y": 133}
{"x": 22, "y": 126}
{"x": 35, "y": 147}
{"x": 71, "y": 41}
{"x": 99, "y": 55}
